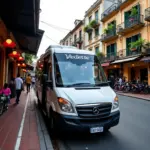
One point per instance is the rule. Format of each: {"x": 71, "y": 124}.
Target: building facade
{"x": 93, "y": 27}
{"x": 125, "y": 39}
{"x": 75, "y": 37}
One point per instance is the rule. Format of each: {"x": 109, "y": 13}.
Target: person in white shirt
{"x": 19, "y": 85}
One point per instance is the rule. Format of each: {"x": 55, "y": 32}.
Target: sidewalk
{"x": 20, "y": 126}
{"x": 138, "y": 96}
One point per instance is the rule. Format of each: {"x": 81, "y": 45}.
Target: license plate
{"x": 96, "y": 129}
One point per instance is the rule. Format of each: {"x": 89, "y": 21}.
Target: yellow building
{"x": 93, "y": 27}
{"x": 125, "y": 25}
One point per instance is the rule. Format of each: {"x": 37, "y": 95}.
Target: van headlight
{"x": 115, "y": 103}
{"x": 65, "y": 105}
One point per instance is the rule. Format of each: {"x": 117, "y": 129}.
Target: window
{"x": 90, "y": 49}
{"x": 97, "y": 49}
{"x": 80, "y": 34}
{"x": 90, "y": 72}
{"x": 97, "y": 32}
{"x": 130, "y": 20}
{"x": 96, "y": 15}
{"x": 75, "y": 37}
{"x": 90, "y": 18}
{"x": 90, "y": 36}
{"x": 128, "y": 41}
{"x": 111, "y": 50}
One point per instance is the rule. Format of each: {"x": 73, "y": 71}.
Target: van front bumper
{"x": 75, "y": 123}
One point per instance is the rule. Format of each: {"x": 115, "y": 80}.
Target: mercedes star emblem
{"x": 96, "y": 111}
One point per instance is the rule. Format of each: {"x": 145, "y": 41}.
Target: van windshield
{"x": 73, "y": 70}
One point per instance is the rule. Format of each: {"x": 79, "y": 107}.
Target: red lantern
{"x": 23, "y": 65}
{"x": 18, "y": 65}
{"x": 14, "y": 54}
{"x": 41, "y": 66}
{"x": 20, "y": 58}
{"x": 9, "y": 44}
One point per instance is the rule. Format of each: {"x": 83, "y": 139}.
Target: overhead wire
{"x": 51, "y": 39}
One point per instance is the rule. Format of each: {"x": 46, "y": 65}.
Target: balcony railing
{"x": 124, "y": 3}
{"x": 109, "y": 36}
{"x": 121, "y": 53}
{"x": 147, "y": 14}
{"x": 109, "y": 57}
{"x": 107, "y": 13}
{"x": 79, "y": 40}
{"x": 131, "y": 23}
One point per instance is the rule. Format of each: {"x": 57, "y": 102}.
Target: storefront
{"x": 136, "y": 69}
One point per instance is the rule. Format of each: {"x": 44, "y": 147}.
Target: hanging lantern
{"x": 20, "y": 58}
{"x": 18, "y": 65}
{"x": 23, "y": 65}
{"x": 14, "y": 54}
{"x": 41, "y": 66}
{"x": 9, "y": 44}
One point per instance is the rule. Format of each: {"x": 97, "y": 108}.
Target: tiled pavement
{"x": 10, "y": 123}
{"x": 138, "y": 96}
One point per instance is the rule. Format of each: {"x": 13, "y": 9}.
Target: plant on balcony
{"x": 93, "y": 23}
{"x": 106, "y": 31}
{"x": 100, "y": 55}
{"x": 139, "y": 44}
{"x": 111, "y": 27}
{"x": 133, "y": 14}
{"x": 87, "y": 28}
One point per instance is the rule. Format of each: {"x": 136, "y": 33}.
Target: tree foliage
{"x": 29, "y": 58}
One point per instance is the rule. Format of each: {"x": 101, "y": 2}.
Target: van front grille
{"x": 99, "y": 111}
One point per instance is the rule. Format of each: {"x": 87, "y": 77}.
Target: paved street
{"x": 132, "y": 132}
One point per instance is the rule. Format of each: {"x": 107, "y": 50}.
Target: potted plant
{"x": 139, "y": 44}
{"x": 110, "y": 27}
{"x": 133, "y": 14}
{"x": 100, "y": 55}
{"x": 93, "y": 23}
{"x": 88, "y": 28}
{"x": 106, "y": 31}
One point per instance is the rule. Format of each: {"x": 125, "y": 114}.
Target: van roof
{"x": 68, "y": 49}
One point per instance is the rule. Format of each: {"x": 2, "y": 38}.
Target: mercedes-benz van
{"x": 74, "y": 92}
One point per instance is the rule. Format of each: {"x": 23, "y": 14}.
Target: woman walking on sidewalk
{"x": 28, "y": 82}
{"x": 19, "y": 87}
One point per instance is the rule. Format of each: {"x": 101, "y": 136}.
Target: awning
{"x": 146, "y": 59}
{"x": 124, "y": 60}
{"x": 21, "y": 17}
{"x": 105, "y": 64}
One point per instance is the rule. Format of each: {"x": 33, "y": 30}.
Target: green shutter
{"x": 115, "y": 49}
{"x": 128, "y": 40}
{"x": 126, "y": 19}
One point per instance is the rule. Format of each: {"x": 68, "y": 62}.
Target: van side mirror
{"x": 49, "y": 83}
{"x": 109, "y": 82}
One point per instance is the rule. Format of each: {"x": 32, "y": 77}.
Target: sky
{"x": 58, "y": 17}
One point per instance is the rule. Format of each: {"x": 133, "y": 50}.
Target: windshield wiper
{"x": 76, "y": 84}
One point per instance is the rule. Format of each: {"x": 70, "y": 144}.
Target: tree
{"x": 29, "y": 58}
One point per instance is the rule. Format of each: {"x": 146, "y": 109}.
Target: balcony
{"x": 133, "y": 23}
{"x": 79, "y": 40}
{"x": 109, "y": 57}
{"x": 110, "y": 35}
{"x": 111, "y": 11}
{"x": 95, "y": 24}
{"x": 125, "y": 3}
{"x": 147, "y": 14}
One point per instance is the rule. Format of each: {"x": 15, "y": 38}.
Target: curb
{"x": 132, "y": 96}
{"x": 44, "y": 138}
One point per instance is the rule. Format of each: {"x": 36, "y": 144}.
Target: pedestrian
{"x": 28, "y": 82}
{"x": 19, "y": 87}
{"x": 7, "y": 92}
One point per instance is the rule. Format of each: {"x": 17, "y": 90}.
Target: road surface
{"x": 132, "y": 133}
